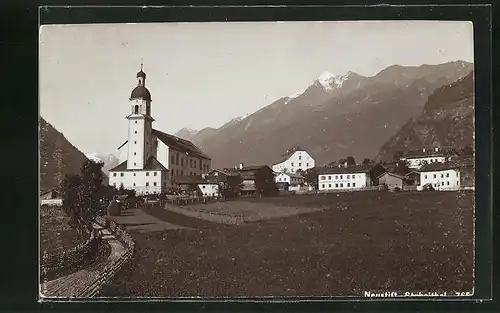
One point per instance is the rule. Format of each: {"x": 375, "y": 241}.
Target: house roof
{"x": 402, "y": 177}
{"x": 248, "y": 172}
{"x": 151, "y": 165}
{"x": 288, "y": 153}
{"x": 223, "y": 172}
{"x": 363, "y": 168}
{"x": 413, "y": 154}
{"x": 180, "y": 144}
{"x": 293, "y": 175}
{"x": 436, "y": 166}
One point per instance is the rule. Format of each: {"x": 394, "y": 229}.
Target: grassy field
{"x": 369, "y": 241}
{"x": 55, "y": 232}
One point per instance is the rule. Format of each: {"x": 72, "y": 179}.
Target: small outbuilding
{"x": 393, "y": 180}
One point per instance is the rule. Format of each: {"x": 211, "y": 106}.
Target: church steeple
{"x": 141, "y": 92}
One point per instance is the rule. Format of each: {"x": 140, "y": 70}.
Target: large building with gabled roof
{"x": 294, "y": 159}
{"x": 151, "y": 159}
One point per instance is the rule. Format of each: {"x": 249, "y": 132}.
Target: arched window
{"x": 136, "y": 109}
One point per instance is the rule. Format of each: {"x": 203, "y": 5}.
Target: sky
{"x": 205, "y": 74}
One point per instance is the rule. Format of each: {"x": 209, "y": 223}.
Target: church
{"x": 150, "y": 159}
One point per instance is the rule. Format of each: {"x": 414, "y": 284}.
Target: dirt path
{"x": 72, "y": 285}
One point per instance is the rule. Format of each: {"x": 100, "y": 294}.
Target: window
{"x": 457, "y": 183}
{"x": 336, "y": 176}
{"x": 348, "y": 176}
{"x": 442, "y": 183}
{"x": 329, "y": 185}
{"x": 121, "y": 185}
{"x": 114, "y": 185}
{"x": 348, "y": 184}
{"x": 341, "y": 184}
{"x": 172, "y": 159}
{"x": 447, "y": 183}
{"x": 182, "y": 172}
{"x": 135, "y": 132}
{"x": 136, "y": 122}
{"x": 354, "y": 184}
{"x": 135, "y": 164}
{"x": 135, "y": 142}
{"x": 182, "y": 161}
{"x": 322, "y": 185}
{"x": 136, "y": 109}
{"x": 154, "y": 183}
{"x": 147, "y": 184}
{"x": 300, "y": 164}
{"x": 177, "y": 158}
{"x": 322, "y": 177}
{"x": 134, "y": 174}
{"x": 329, "y": 177}
{"x": 337, "y": 185}
{"x": 341, "y": 178}
{"x": 425, "y": 176}
{"x": 442, "y": 175}
{"x": 134, "y": 184}
{"x": 147, "y": 173}
{"x": 203, "y": 187}
{"x": 121, "y": 174}
{"x": 190, "y": 163}
{"x": 114, "y": 174}
{"x": 135, "y": 153}
{"x": 307, "y": 164}
{"x": 300, "y": 157}
{"x": 155, "y": 174}
{"x": 194, "y": 163}
{"x": 434, "y": 175}
{"x": 447, "y": 174}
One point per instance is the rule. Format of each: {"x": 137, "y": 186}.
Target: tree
{"x": 300, "y": 172}
{"x": 264, "y": 183}
{"x": 367, "y": 161}
{"x": 402, "y": 168}
{"x": 350, "y": 161}
{"x": 82, "y": 193}
{"x": 312, "y": 177}
{"x": 230, "y": 186}
{"x": 398, "y": 155}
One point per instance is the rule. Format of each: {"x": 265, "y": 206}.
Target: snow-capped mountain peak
{"x": 94, "y": 157}
{"x": 330, "y": 81}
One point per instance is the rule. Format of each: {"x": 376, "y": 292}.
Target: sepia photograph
{"x": 257, "y": 159}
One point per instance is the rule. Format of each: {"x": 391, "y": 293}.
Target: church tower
{"x": 139, "y": 125}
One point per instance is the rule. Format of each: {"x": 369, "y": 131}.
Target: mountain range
{"x": 336, "y": 116}
{"x": 447, "y": 120}
{"x": 58, "y": 157}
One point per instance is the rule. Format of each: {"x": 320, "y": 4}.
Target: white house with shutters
{"x": 417, "y": 159}
{"x": 151, "y": 159}
{"x": 442, "y": 176}
{"x": 344, "y": 178}
{"x": 294, "y": 159}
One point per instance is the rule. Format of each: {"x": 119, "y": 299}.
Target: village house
{"x": 197, "y": 186}
{"x": 419, "y": 158}
{"x": 441, "y": 176}
{"x": 290, "y": 178}
{"x": 151, "y": 159}
{"x": 394, "y": 181}
{"x": 249, "y": 174}
{"x": 294, "y": 159}
{"x": 343, "y": 177}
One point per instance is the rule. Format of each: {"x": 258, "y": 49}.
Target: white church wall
{"x": 140, "y": 181}
{"x": 136, "y": 144}
{"x": 123, "y": 153}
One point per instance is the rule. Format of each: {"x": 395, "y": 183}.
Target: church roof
{"x": 140, "y": 92}
{"x": 152, "y": 164}
{"x": 141, "y": 74}
{"x": 180, "y": 144}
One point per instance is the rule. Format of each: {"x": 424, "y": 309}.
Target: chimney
{"x": 423, "y": 149}
{"x": 241, "y": 166}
